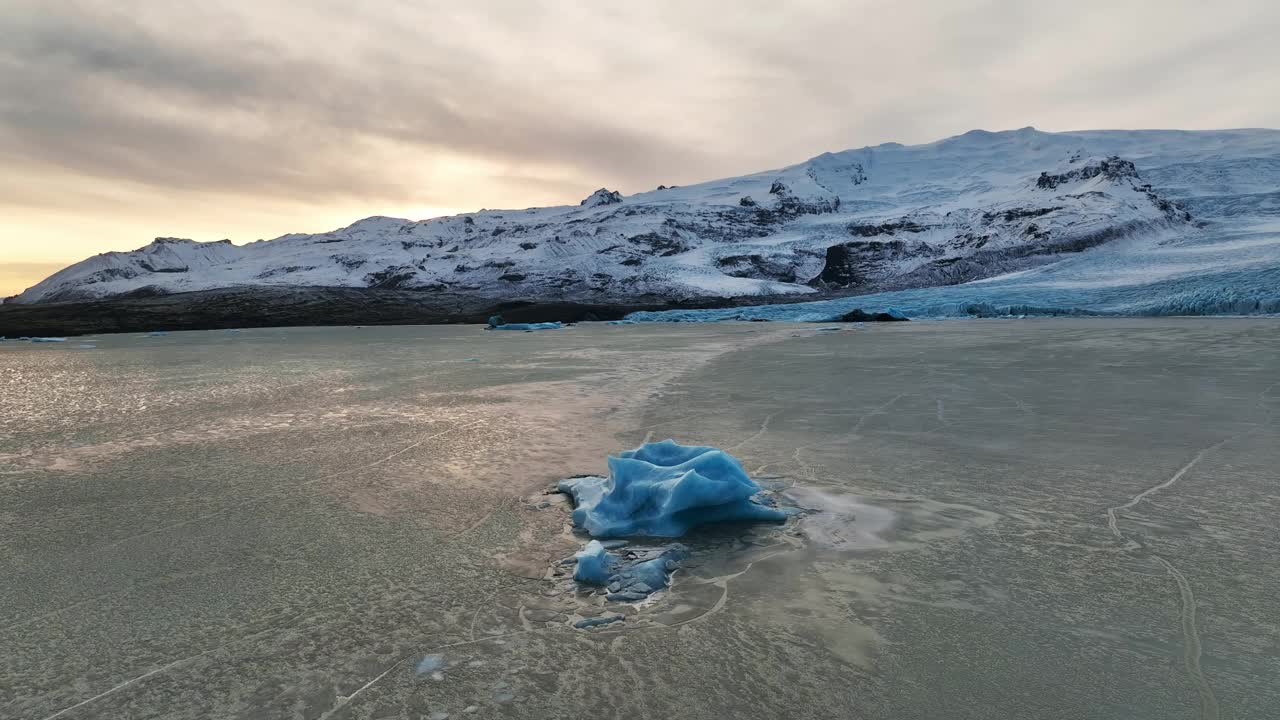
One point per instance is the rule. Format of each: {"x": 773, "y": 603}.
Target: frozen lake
{"x": 1043, "y": 518}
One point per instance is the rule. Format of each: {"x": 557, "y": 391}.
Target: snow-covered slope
{"x": 877, "y": 219}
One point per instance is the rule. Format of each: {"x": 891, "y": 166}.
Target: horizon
{"x": 125, "y": 126}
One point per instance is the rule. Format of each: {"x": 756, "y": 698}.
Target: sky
{"x": 126, "y": 120}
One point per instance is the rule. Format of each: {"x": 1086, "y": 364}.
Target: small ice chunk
{"x": 654, "y": 574}
{"x": 48, "y": 339}
{"x": 593, "y": 564}
{"x": 497, "y": 323}
{"x": 156, "y": 333}
{"x": 828, "y": 329}
{"x": 592, "y": 622}
{"x": 429, "y": 664}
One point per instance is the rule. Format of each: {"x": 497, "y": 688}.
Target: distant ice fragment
{"x": 156, "y": 333}
{"x": 429, "y": 664}
{"x": 48, "y": 339}
{"x": 592, "y": 622}
{"x": 86, "y": 346}
{"x": 829, "y": 329}
{"x": 497, "y": 323}
{"x": 593, "y": 565}
{"x": 664, "y": 489}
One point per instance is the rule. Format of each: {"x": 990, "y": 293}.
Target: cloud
{"x": 513, "y": 102}
{"x": 184, "y": 105}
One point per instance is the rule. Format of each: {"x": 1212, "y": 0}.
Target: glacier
{"x": 1045, "y": 292}
{"x": 664, "y": 489}
{"x": 1118, "y": 222}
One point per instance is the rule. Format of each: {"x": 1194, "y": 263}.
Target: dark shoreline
{"x": 286, "y": 307}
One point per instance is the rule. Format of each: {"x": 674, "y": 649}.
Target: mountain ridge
{"x": 879, "y": 218}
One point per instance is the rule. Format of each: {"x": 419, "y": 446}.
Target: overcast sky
{"x": 123, "y": 120}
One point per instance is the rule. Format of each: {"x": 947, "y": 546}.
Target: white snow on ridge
{"x": 982, "y": 209}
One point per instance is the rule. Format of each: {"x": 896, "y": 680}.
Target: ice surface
{"x": 594, "y": 565}
{"x": 664, "y": 489}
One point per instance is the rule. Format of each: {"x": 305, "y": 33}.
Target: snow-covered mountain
{"x": 875, "y": 219}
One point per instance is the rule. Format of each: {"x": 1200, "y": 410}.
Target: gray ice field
{"x": 1015, "y": 519}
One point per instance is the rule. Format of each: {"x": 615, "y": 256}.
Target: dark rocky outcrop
{"x": 603, "y": 196}
{"x": 1113, "y": 168}
{"x": 858, "y": 315}
{"x": 248, "y": 307}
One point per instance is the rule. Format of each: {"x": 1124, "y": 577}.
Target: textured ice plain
{"x": 664, "y": 489}
{"x": 1119, "y": 222}
{"x": 238, "y": 526}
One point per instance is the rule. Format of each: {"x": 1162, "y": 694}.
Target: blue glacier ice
{"x": 497, "y": 323}
{"x": 594, "y": 565}
{"x": 593, "y": 622}
{"x": 1228, "y": 270}
{"x": 637, "y": 581}
{"x": 48, "y": 339}
{"x": 664, "y": 489}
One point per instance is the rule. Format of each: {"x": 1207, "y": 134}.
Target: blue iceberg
{"x": 664, "y": 489}
{"x": 497, "y": 323}
{"x": 593, "y": 565}
{"x": 48, "y": 339}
